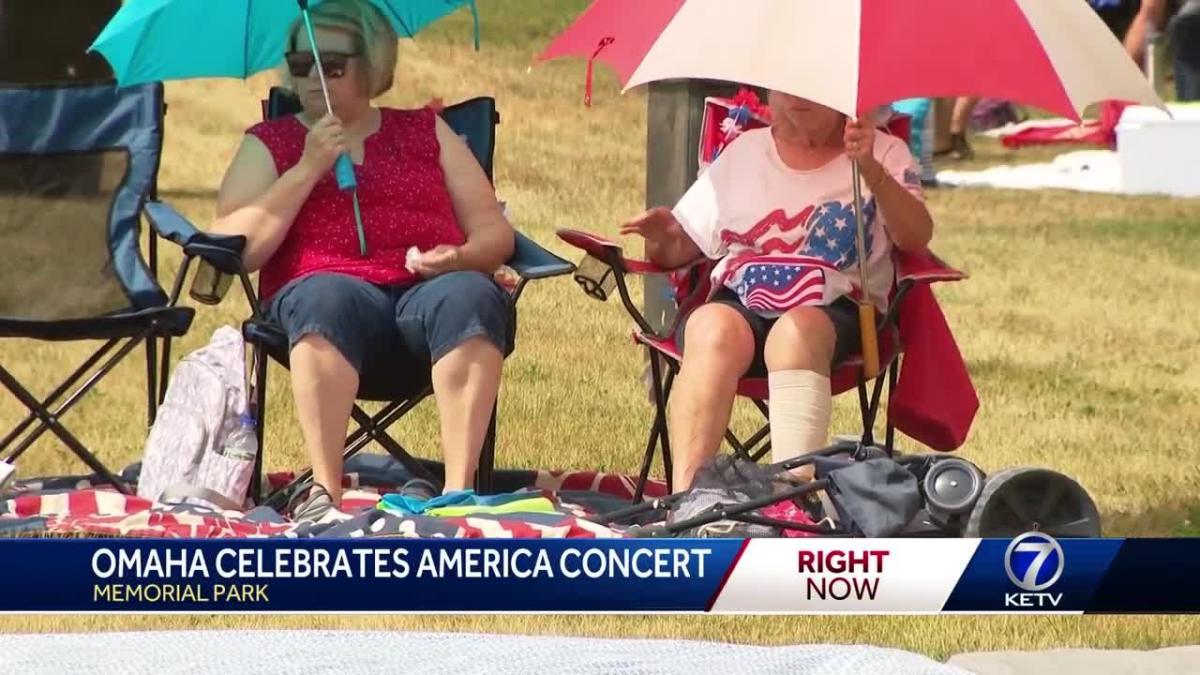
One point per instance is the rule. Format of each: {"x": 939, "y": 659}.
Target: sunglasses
{"x": 300, "y": 63}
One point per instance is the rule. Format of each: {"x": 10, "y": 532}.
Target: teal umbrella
{"x": 155, "y": 40}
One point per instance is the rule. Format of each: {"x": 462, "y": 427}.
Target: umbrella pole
{"x": 866, "y": 309}
{"x": 343, "y": 169}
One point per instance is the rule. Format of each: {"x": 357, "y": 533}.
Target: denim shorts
{"x": 374, "y": 325}
{"x": 843, "y": 313}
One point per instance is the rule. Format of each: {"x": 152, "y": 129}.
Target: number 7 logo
{"x": 1043, "y": 546}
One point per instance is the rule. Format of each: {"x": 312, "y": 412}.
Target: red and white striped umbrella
{"x": 855, "y": 55}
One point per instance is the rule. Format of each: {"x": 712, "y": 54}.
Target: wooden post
{"x": 675, "y": 111}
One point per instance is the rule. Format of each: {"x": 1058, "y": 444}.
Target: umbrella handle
{"x": 870, "y": 340}
{"x": 343, "y": 170}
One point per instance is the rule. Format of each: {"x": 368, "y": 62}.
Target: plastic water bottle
{"x": 242, "y": 443}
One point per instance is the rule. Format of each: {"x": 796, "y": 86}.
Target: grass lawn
{"x": 1079, "y": 324}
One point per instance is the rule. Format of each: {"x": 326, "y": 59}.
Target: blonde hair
{"x": 374, "y": 38}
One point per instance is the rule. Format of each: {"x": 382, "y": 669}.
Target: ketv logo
{"x": 1034, "y": 562}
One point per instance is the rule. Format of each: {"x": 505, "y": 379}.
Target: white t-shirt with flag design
{"x": 786, "y": 237}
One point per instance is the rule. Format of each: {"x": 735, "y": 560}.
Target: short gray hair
{"x": 373, "y": 35}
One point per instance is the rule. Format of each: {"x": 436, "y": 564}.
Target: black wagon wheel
{"x": 952, "y": 486}
{"x": 1023, "y": 499}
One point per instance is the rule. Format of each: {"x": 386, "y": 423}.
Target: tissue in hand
{"x": 411, "y": 258}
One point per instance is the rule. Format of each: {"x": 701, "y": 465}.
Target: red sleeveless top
{"x": 401, "y": 191}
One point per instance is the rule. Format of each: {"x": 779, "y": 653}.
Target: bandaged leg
{"x": 800, "y": 408}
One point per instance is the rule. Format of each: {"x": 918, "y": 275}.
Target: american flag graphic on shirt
{"x": 768, "y": 285}
{"x": 782, "y": 277}
{"x": 832, "y": 233}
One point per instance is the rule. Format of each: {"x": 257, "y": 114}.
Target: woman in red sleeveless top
{"x": 358, "y": 308}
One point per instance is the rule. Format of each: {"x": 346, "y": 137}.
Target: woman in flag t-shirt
{"x": 776, "y": 210}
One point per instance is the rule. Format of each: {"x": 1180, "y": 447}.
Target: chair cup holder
{"x": 596, "y": 278}
{"x": 209, "y": 285}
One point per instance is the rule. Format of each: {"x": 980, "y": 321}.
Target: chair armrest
{"x": 609, "y": 251}
{"x": 222, "y": 252}
{"x": 912, "y": 269}
{"x": 924, "y": 267}
{"x": 531, "y": 261}
{"x": 604, "y": 267}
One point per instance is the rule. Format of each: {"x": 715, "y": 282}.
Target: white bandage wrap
{"x": 800, "y": 409}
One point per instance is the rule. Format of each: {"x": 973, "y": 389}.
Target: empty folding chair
{"x": 77, "y": 165}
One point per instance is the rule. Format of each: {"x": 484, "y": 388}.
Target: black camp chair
{"x": 475, "y": 120}
{"x": 77, "y": 164}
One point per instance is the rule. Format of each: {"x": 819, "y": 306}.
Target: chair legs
{"x": 869, "y": 405}
{"x": 485, "y": 473}
{"x": 164, "y": 371}
{"x": 658, "y": 429}
{"x": 758, "y": 445}
{"x": 54, "y": 396}
{"x": 47, "y": 419}
{"x": 372, "y": 428}
{"x": 889, "y": 443}
{"x": 151, "y": 380}
{"x": 753, "y": 448}
{"x": 259, "y": 413}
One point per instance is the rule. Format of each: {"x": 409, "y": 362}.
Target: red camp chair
{"x": 606, "y": 266}
{"x": 935, "y": 404}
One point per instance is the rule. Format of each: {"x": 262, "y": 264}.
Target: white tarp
{"x": 310, "y": 652}
{"x": 1084, "y": 171}
{"x": 1169, "y": 661}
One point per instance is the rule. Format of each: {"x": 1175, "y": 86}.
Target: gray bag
{"x": 202, "y": 445}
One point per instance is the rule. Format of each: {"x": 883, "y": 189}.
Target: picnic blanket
{"x": 80, "y": 505}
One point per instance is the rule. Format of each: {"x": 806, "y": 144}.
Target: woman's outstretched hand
{"x": 657, "y": 225}
{"x": 667, "y": 244}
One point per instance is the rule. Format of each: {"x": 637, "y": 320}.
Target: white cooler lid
{"x": 1141, "y": 115}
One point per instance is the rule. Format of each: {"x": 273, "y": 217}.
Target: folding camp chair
{"x": 396, "y": 387}
{"x": 77, "y": 164}
{"x": 605, "y": 267}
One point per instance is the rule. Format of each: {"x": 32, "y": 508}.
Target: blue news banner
{"x": 1032, "y": 573}
{"x": 350, "y": 575}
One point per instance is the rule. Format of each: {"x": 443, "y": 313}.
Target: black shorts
{"x": 843, "y": 313}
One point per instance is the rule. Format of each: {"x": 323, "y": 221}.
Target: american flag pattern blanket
{"x": 80, "y": 506}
